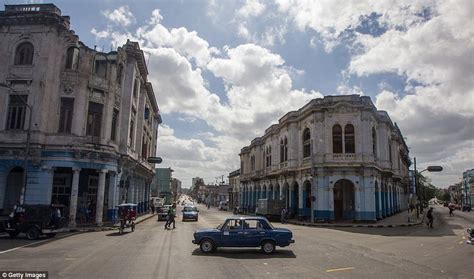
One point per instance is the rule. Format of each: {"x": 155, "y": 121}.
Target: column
{"x": 111, "y": 211}
{"x": 74, "y": 194}
{"x": 100, "y": 198}
{"x": 331, "y": 202}
{"x": 357, "y": 193}
{"x": 300, "y": 200}
{"x": 379, "y": 197}
{"x": 390, "y": 201}
{"x": 281, "y": 193}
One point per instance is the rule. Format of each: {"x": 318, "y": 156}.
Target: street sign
{"x": 435, "y": 168}
{"x": 154, "y": 160}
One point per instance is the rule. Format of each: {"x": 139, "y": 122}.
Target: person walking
{"x": 283, "y": 216}
{"x": 451, "y": 209}
{"x": 429, "y": 215}
{"x": 171, "y": 217}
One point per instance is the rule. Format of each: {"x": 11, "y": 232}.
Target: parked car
{"x": 243, "y": 232}
{"x": 162, "y": 212}
{"x": 190, "y": 213}
{"x": 36, "y": 220}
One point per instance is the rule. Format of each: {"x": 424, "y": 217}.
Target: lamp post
{"x": 28, "y": 135}
{"x": 430, "y": 169}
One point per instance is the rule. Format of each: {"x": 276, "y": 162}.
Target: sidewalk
{"x": 108, "y": 226}
{"x": 397, "y": 220}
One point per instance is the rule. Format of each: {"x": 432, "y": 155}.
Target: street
{"x": 152, "y": 252}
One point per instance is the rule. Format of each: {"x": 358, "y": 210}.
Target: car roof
{"x": 247, "y": 218}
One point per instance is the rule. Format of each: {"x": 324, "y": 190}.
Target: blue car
{"x": 190, "y": 213}
{"x": 243, "y": 232}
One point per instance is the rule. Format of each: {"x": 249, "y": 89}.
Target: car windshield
{"x": 190, "y": 209}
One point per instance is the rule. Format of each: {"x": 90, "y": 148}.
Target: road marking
{"x": 340, "y": 269}
{"x": 461, "y": 242}
{"x": 16, "y": 248}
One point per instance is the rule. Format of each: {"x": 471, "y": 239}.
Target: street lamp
{"x": 430, "y": 169}
{"x": 28, "y": 135}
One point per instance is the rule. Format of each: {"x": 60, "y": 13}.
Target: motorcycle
{"x": 470, "y": 237}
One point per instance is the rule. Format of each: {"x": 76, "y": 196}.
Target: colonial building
{"x": 161, "y": 184}
{"x": 336, "y": 158}
{"x": 82, "y": 121}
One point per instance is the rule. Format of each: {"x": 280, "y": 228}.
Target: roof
{"x": 247, "y": 218}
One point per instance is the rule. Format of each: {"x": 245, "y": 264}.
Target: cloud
{"x": 252, "y": 8}
{"x": 121, "y": 16}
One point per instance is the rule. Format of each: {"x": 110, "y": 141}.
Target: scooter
{"x": 470, "y": 237}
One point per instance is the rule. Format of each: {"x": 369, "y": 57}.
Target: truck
{"x": 269, "y": 208}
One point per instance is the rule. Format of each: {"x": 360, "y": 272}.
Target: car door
{"x": 253, "y": 233}
{"x": 232, "y": 234}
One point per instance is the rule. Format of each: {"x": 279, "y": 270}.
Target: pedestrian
{"x": 152, "y": 205}
{"x": 451, "y": 209}
{"x": 283, "y": 215}
{"x": 429, "y": 215}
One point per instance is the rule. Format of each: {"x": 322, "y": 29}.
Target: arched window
{"x": 136, "y": 88}
{"x": 349, "y": 139}
{"x": 374, "y": 142}
{"x": 306, "y": 143}
{"x": 268, "y": 158}
{"x": 24, "y": 54}
{"x": 285, "y": 143}
{"x": 100, "y": 65}
{"x": 72, "y": 58}
{"x": 336, "y": 139}
{"x": 390, "y": 152}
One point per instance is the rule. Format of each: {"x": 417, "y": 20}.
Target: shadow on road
{"x": 118, "y": 234}
{"x": 7, "y": 243}
{"x": 237, "y": 253}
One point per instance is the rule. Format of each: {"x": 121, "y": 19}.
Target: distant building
{"x": 92, "y": 116}
{"x": 336, "y": 158}
{"x": 175, "y": 188}
{"x": 234, "y": 188}
{"x": 467, "y": 187}
{"x": 161, "y": 184}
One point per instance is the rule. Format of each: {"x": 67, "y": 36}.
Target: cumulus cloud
{"x": 121, "y": 16}
{"x": 251, "y": 8}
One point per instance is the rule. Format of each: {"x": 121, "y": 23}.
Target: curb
{"x": 108, "y": 228}
{"x": 354, "y": 225}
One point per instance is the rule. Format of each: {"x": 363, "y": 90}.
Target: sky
{"x": 225, "y": 70}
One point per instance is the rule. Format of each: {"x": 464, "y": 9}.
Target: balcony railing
{"x": 283, "y": 165}
{"x": 340, "y": 157}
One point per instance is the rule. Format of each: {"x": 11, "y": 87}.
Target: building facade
{"x": 162, "y": 183}
{"x": 175, "y": 188}
{"x": 88, "y": 118}
{"x": 467, "y": 187}
{"x": 336, "y": 158}
{"x": 234, "y": 189}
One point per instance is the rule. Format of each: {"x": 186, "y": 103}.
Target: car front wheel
{"x": 268, "y": 247}
{"x": 207, "y": 246}
{"x": 32, "y": 233}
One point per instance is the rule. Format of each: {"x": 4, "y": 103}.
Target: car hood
{"x": 279, "y": 230}
{"x": 207, "y": 230}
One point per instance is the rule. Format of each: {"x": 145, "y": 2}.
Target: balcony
{"x": 341, "y": 157}
{"x": 283, "y": 165}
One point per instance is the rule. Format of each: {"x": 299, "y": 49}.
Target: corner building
{"x": 337, "y": 158}
{"x": 94, "y": 117}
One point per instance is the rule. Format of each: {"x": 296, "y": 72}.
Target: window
{"x": 16, "y": 111}
{"x": 285, "y": 143}
{"x": 282, "y": 154}
{"x": 119, "y": 74}
{"x": 144, "y": 148}
{"x": 113, "y": 132}
{"x": 374, "y": 142}
{"x": 94, "y": 119}
{"x": 135, "y": 88}
{"x": 65, "y": 116}
{"x": 349, "y": 139}
{"x": 252, "y": 162}
{"x": 252, "y": 225}
{"x": 24, "y": 54}
{"x": 336, "y": 139}
{"x": 72, "y": 58}
{"x": 268, "y": 157}
{"x": 232, "y": 225}
{"x": 390, "y": 152}
{"x": 100, "y": 66}
{"x": 306, "y": 143}
{"x": 131, "y": 133}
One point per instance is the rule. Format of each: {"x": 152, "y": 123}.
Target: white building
{"x": 94, "y": 117}
{"x": 336, "y": 158}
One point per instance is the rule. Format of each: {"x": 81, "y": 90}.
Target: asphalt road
{"x": 152, "y": 252}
